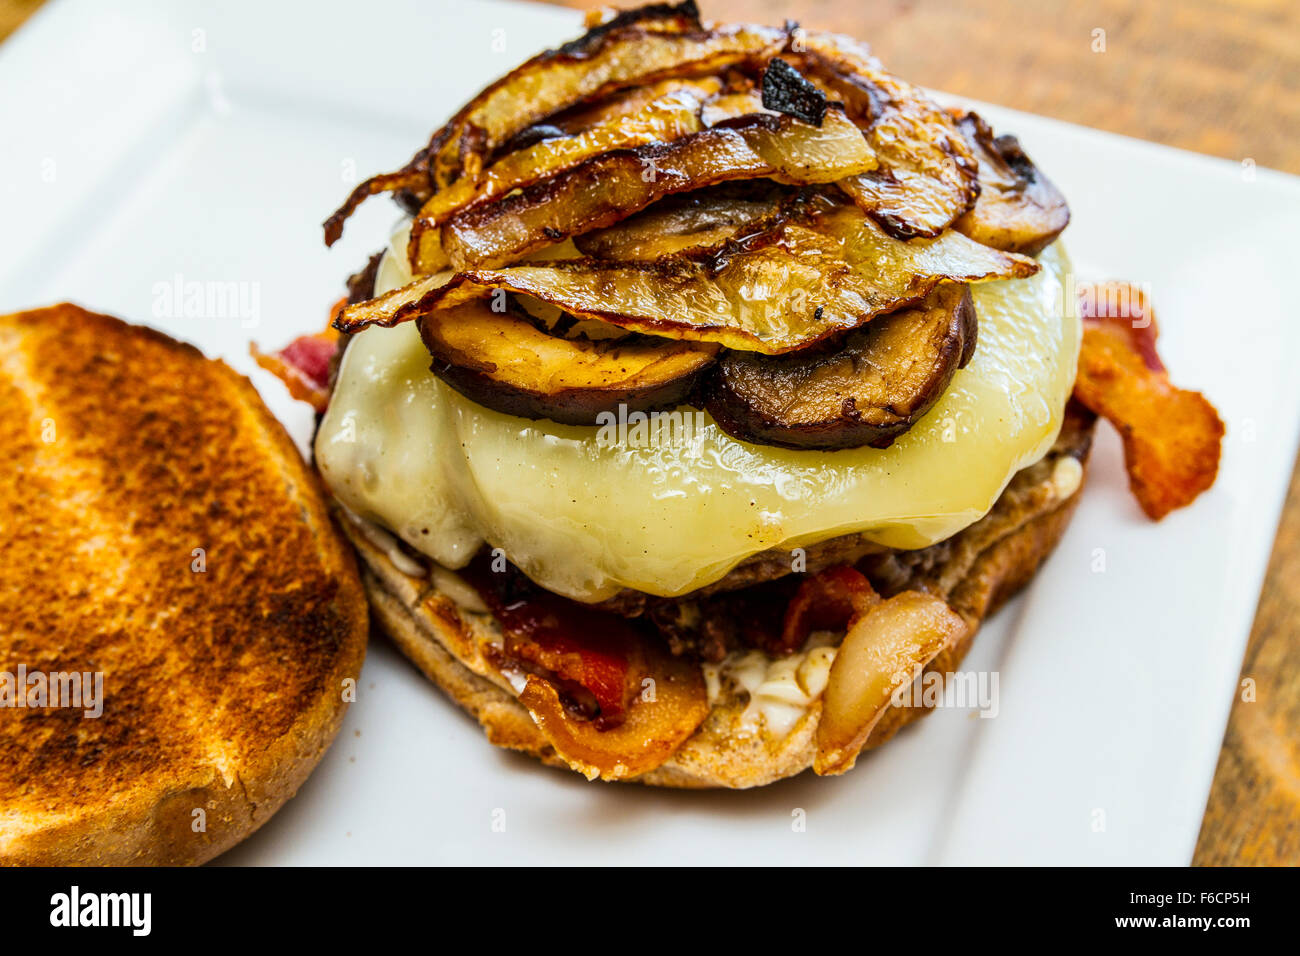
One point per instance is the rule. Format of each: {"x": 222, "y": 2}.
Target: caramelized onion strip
{"x": 655, "y": 42}
{"x": 586, "y": 69}
{"x": 612, "y": 186}
{"x": 664, "y": 118}
{"x": 885, "y": 647}
{"x": 780, "y": 291}
{"x": 928, "y": 175}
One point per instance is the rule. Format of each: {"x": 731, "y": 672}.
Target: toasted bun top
{"x": 159, "y": 528}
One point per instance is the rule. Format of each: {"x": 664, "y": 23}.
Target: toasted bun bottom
{"x": 162, "y": 531}
{"x": 975, "y": 572}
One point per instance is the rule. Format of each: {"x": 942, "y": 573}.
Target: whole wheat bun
{"x": 975, "y": 572}
{"x": 125, "y": 451}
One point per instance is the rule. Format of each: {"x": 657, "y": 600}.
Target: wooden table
{"x": 1216, "y": 76}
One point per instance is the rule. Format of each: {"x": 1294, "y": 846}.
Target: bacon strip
{"x": 1018, "y": 209}
{"x": 571, "y": 643}
{"x": 648, "y": 702}
{"x": 826, "y": 601}
{"x": 664, "y": 717}
{"x": 1172, "y": 437}
{"x": 304, "y": 364}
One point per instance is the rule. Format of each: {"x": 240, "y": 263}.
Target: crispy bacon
{"x": 548, "y": 647}
{"x": 1123, "y": 306}
{"x": 571, "y": 644}
{"x": 304, "y": 364}
{"x": 646, "y": 702}
{"x": 825, "y": 601}
{"x": 672, "y": 705}
{"x": 1172, "y": 437}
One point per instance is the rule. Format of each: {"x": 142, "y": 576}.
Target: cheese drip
{"x": 586, "y": 517}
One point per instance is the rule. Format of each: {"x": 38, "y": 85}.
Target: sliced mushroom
{"x": 883, "y": 651}
{"x": 502, "y": 361}
{"x": 1018, "y": 209}
{"x": 868, "y": 389}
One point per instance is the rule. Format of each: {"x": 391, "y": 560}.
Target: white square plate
{"x": 176, "y": 142}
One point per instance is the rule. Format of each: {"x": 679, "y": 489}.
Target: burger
{"x": 713, "y": 387}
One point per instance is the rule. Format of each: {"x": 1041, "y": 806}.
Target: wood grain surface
{"x": 1215, "y": 76}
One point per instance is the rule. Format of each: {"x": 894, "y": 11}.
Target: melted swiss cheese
{"x": 587, "y": 518}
